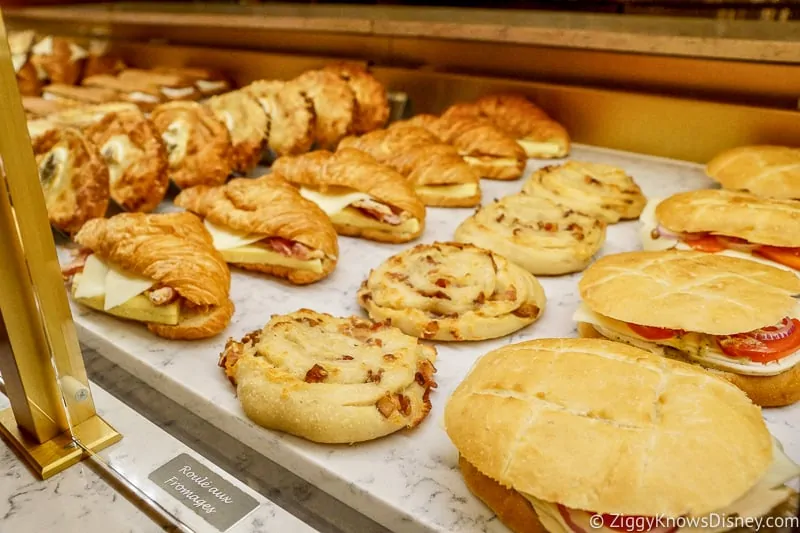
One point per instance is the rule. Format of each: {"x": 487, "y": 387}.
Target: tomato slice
{"x": 704, "y": 243}
{"x": 760, "y": 351}
{"x": 653, "y": 333}
{"x": 785, "y": 256}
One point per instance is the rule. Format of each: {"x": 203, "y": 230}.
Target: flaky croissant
{"x": 372, "y": 103}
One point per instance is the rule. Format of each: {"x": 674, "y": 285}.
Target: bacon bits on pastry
{"x": 362, "y": 197}
{"x": 372, "y": 102}
{"x": 198, "y": 145}
{"x": 136, "y": 159}
{"x": 266, "y": 226}
{"x": 492, "y": 152}
{"x": 538, "y": 235}
{"x": 334, "y": 105}
{"x": 58, "y": 59}
{"x": 595, "y": 189}
{"x": 331, "y": 380}
{"x": 437, "y": 172}
{"x": 73, "y": 176}
{"x": 452, "y": 292}
{"x": 247, "y": 124}
{"x": 290, "y": 113}
{"x": 158, "y": 269}
{"x": 771, "y": 171}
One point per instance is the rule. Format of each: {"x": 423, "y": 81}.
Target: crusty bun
{"x": 772, "y": 171}
{"x": 602, "y": 426}
{"x": 735, "y": 214}
{"x": 692, "y": 291}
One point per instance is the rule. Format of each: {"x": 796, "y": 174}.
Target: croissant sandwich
{"x": 266, "y": 226}
{"x": 161, "y": 270}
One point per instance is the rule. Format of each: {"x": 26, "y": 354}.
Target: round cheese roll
{"x": 595, "y": 189}
{"x": 331, "y": 380}
{"x": 452, "y": 292}
{"x": 538, "y": 235}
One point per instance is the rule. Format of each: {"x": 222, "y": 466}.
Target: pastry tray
{"x": 408, "y": 481}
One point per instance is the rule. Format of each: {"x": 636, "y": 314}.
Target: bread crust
{"x": 247, "y": 124}
{"x": 770, "y": 171}
{"x": 371, "y": 101}
{"x": 666, "y": 290}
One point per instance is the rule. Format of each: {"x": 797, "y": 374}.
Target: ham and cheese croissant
{"x": 437, "y": 172}
{"x": 266, "y": 226}
{"x": 161, "y": 270}
{"x": 362, "y": 197}
{"x": 372, "y": 103}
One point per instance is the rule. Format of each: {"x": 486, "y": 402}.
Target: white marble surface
{"x": 409, "y": 481}
{"x": 80, "y": 500}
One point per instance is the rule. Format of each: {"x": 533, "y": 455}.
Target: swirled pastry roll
{"x": 73, "y": 176}
{"x": 439, "y": 175}
{"x": 136, "y": 160}
{"x": 452, "y": 292}
{"x": 538, "y": 235}
{"x": 198, "y": 145}
{"x": 266, "y": 226}
{"x": 248, "y": 125}
{"x": 771, "y": 171}
{"x": 595, "y": 189}
{"x": 372, "y": 103}
{"x": 331, "y": 380}
{"x": 362, "y": 197}
{"x": 334, "y": 105}
{"x": 58, "y": 59}
{"x": 158, "y": 269}
{"x": 290, "y": 113}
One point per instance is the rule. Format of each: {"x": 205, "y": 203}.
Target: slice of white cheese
{"x": 228, "y": 238}
{"x": 333, "y": 202}
{"x": 533, "y": 147}
{"x": 499, "y": 162}
{"x": 122, "y": 286}
{"x": 93, "y": 278}
{"x": 459, "y": 190}
{"x": 19, "y": 60}
{"x": 77, "y": 52}
{"x": 43, "y": 47}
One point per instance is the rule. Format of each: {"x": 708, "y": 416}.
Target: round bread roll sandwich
{"x": 735, "y": 317}
{"x": 581, "y": 435}
{"x": 731, "y": 223}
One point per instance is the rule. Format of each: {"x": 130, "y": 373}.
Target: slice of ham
{"x": 293, "y": 249}
{"x": 380, "y": 212}
{"x": 77, "y": 264}
{"x": 162, "y": 295}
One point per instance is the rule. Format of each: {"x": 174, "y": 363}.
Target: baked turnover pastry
{"x": 73, "y": 176}
{"x": 247, "y": 124}
{"x": 538, "y": 235}
{"x": 198, "y": 145}
{"x": 771, "y": 171}
{"x": 493, "y": 153}
{"x": 158, "y": 269}
{"x": 331, "y": 380}
{"x": 58, "y": 59}
{"x": 20, "y": 44}
{"x": 136, "y": 159}
{"x": 735, "y": 317}
{"x": 290, "y": 113}
{"x": 334, "y": 105}
{"x": 372, "y": 103}
{"x": 362, "y": 197}
{"x": 595, "y": 189}
{"x": 579, "y": 435}
{"x": 452, "y": 292}
{"x": 266, "y": 226}
{"x": 439, "y": 175}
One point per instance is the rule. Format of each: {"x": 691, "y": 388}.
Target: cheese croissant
{"x": 158, "y": 269}
{"x": 372, "y": 103}
{"x": 266, "y": 226}
{"x": 290, "y": 113}
{"x": 439, "y": 175}
{"x": 493, "y": 153}
{"x": 362, "y": 197}
{"x": 334, "y": 105}
{"x": 452, "y": 292}
{"x": 248, "y": 125}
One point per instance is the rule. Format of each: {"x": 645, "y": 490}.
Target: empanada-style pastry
{"x": 452, "y": 292}
{"x": 334, "y": 105}
{"x": 372, "y": 103}
{"x": 437, "y": 172}
{"x": 266, "y": 226}
{"x": 770, "y": 171}
{"x": 172, "y": 86}
{"x": 100, "y": 61}
{"x": 81, "y": 95}
{"x": 247, "y": 124}
{"x": 331, "y": 380}
{"x": 290, "y": 113}
{"x": 493, "y": 153}
{"x": 538, "y": 235}
{"x": 362, "y": 197}
{"x": 595, "y": 189}
{"x": 146, "y": 96}
{"x": 20, "y": 44}
{"x": 538, "y": 134}
{"x": 58, "y": 59}
{"x": 136, "y": 159}
{"x": 39, "y": 107}
{"x": 74, "y": 178}
{"x": 158, "y": 269}
{"x": 86, "y": 115}
{"x": 198, "y": 145}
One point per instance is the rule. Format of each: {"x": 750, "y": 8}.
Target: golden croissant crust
{"x": 73, "y": 176}
{"x": 372, "y": 103}
{"x": 248, "y": 125}
{"x": 452, "y": 292}
{"x": 329, "y": 379}
{"x": 334, "y": 105}
{"x": 58, "y": 66}
{"x": 290, "y": 113}
{"x": 28, "y": 80}
{"x": 269, "y": 206}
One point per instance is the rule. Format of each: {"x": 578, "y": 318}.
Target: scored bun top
{"x": 609, "y": 428}
{"x": 735, "y": 214}
{"x": 772, "y": 171}
{"x": 692, "y": 291}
